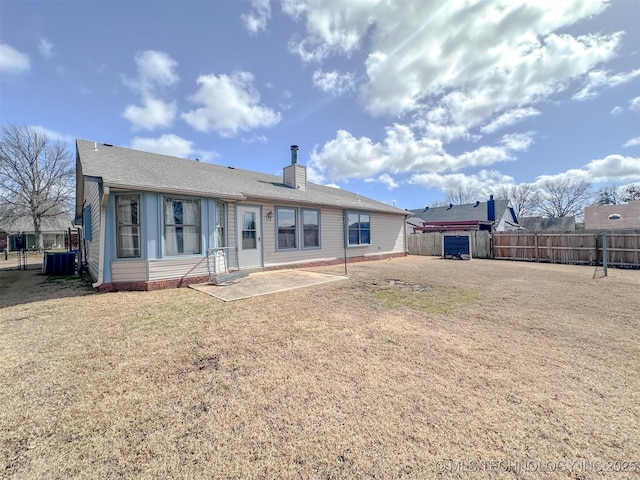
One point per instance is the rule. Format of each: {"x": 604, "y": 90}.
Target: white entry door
{"x": 249, "y": 237}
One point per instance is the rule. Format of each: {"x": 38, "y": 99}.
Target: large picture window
{"x": 181, "y": 226}
{"x": 287, "y": 227}
{"x": 310, "y": 228}
{"x": 359, "y": 225}
{"x": 128, "y": 225}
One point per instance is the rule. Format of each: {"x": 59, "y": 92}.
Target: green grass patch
{"x": 443, "y": 301}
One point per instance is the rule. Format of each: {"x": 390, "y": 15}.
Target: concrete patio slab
{"x": 265, "y": 283}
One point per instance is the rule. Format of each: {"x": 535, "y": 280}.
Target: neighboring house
{"x": 54, "y": 231}
{"x": 613, "y": 217}
{"x": 544, "y": 224}
{"x": 493, "y": 215}
{"x": 149, "y": 220}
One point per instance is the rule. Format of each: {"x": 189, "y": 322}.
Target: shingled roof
{"x": 458, "y": 213}
{"x": 121, "y": 167}
{"x": 55, "y": 224}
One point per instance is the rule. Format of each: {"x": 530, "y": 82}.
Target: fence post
{"x": 535, "y": 243}
{"x": 604, "y": 253}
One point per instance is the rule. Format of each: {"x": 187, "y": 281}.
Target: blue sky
{"x": 396, "y": 100}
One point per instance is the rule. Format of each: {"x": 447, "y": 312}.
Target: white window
{"x": 287, "y": 228}
{"x": 181, "y": 226}
{"x": 128, "y": 225}
{"x": 359, "y": 228}
{"x": 310, "y": 228}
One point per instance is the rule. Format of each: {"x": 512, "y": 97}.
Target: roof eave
{"x": 176, "y": 191}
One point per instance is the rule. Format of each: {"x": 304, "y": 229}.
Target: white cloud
{"x": 518, "y": 142}
{"x": 332, "y": 27}
{"x": 46, "y": 48}
{"x": 254, "y": 138}
{"x": 467, "y": 62}
{"x": 615, "y": 111}
{"x": 612, "y": 168}
{"x": 230, "y": 104}
{"x": 451, "y": 71}
{"x": 152, "y": 114}
{"x": 634, "y": 104}
{"x": 155, "y": 70}
{"x": 509, "y": 118}
{"x": 334, "y": 82}
{"x": 13, "y": 61}
{"x": 54, "y": 135}
{"x": 385, "y": 179}
{"x": 633, "y": 142}
{"x": 173, "y": 145}
{"x": 401, "y": 151}
{"x": 599, "y": 79}
{"x": 256, "y": 20}
{"x": 484, "y": 182}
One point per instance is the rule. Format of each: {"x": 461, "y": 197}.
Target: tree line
{"x": 557, "y": 197}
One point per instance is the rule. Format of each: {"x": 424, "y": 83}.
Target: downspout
{"x": 103, "y": 220}
{"x": 406, "y": 239}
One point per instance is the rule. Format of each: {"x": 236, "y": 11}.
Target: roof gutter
{"x": 188, "y": 193}
{"x": 336, "y": 205}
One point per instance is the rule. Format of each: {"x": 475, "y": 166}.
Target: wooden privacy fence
{"x": 430, "y": 243}
{"x": 579, "y": 248}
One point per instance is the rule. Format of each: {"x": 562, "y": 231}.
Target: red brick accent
{"x": 185, "y": 282}
{"x": 149, "y": 286}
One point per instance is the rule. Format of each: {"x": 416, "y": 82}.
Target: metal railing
{"x": 222, "y": 262}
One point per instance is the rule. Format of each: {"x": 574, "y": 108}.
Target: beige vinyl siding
{"x": 92, "y": 197}
{"x": 178, "y": 268}
{"x": 294, "y": 176}
{"x": 129, "y": 271}
{"x": 387, "y": 234}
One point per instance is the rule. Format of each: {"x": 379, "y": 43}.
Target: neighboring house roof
{"x": 469, "y": 211}
{"x": 612, "y": 217}
{"x": 133, "y": 169}
{"x": 59, "y": 223}
{"x": 544, "y": 224}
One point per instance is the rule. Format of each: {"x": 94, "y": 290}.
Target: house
{"x": 54, "y": 232}
{"x": 150, "y": 220}
{"x": 492, "y": 215}
{"x": 544, "y": 224}
{"x": 613, "y": 217}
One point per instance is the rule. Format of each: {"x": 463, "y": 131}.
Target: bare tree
{"x": 564, "y": 197}
{"x": 524, "y": 198}
{"x": 36, "y": 176}
{"x": 631, "y": 192}
{"x": 611, "y": 195}
{"x": 608, "y": 195}
{"x": 461, "y": 195}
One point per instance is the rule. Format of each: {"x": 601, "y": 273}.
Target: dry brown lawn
{"x": 413, "y": 368}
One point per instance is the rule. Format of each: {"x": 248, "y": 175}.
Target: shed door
{"x": 249, "y": 237}
{"x": 456, "y": 247}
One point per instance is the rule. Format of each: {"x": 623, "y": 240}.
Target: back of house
{"x": 152, "y": 221}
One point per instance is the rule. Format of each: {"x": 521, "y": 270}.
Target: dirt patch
{"x": 414, "y": 287}
{"x": 504, "y": 366}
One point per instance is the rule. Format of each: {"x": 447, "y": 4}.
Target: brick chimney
{"x": 294, "y": 175}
